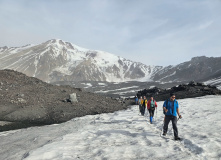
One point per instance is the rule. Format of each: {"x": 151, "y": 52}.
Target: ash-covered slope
{"x": 56, "y": 60}
{"x": 29, "y": 100}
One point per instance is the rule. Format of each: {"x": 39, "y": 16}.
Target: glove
{"x": 180, "y": 116}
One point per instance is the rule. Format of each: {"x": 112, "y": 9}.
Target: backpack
{"x": 152, "y": 107}
{"x": 167, "y": 105}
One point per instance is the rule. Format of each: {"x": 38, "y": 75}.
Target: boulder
{"x": 192, "y": 83}
{"x": 73, "y": 98}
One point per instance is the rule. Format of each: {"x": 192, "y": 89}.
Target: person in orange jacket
{"x": 151, "y": 105}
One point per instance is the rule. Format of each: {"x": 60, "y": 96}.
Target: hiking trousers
{"x": 174, "y": 123}
{"x": 151, "y": 111}
{"x": 142, "y": 110}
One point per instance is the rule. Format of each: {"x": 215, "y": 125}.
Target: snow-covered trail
{"x": 122, "y": 135}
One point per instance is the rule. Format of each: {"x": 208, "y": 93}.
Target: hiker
{"x": 151, "y": 104}
{"x": 171, "y": 109}
{"x": 136, "y": 100}
{"x": 144, "y": 105}
{"x": 140, "y": 102}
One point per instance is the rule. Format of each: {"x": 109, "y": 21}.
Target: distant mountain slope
{"x": 56, "y": 60}
{"x": 197, "y": 69}
{"x": 214, "y": 80}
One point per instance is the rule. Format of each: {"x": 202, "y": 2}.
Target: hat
{"x": 172, "y": 94}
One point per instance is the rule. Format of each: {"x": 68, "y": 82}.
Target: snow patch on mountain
{"x": 65, "y": 61}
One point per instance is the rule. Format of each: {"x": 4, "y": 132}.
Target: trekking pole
{"x": 156, "y": 113}
{"x": 139, "y": 109}
{"x": 162, "y": 128}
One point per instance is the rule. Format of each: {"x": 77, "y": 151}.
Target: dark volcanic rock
{"x": 190, "y": 90}
{"x": 28, "y": 100}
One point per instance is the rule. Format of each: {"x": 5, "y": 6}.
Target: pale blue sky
{"x": 154, "y": 32}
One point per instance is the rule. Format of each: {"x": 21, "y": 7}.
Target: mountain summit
{"x": 57, "y": 60}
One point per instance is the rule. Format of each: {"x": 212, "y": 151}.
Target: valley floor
{"x": 122, "y": 135}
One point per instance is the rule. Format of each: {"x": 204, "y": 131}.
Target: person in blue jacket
{"x": 171, "y": 110}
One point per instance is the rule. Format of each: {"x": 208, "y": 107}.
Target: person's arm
{"x": 148, "y": 104}
{"x": 164, "y": 107}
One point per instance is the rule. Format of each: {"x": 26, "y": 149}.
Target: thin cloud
{"x": 205, "y": 25}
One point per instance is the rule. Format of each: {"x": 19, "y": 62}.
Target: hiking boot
{"x": 177, "y": 138}
{"x": 164, "y": 134}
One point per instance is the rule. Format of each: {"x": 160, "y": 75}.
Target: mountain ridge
{"x": 198, "y": 68}
{"x": 56, "y": 60}
{"x": 64, "y": 61}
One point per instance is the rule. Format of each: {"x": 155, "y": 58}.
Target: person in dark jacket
{"x": 171, "y": 109}
{"x": 151, "y": 104}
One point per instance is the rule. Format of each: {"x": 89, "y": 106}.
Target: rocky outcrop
{"x": 190, "y": 90}
{"x": 73, "y": 97}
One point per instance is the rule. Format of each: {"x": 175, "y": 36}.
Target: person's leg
{"x": 153, "y": 112}
{"x": 144, "y": 109}
{"x": 149, "y": 112}
{"x": 140, "y": 108}
{"x": 151, "y": 115}
{"x": 166, "y": 122}
{"x": 174, "y": 123}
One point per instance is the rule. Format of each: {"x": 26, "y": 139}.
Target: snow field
{"x": 122, "y": 135}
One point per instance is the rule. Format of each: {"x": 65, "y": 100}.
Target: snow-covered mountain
{"x": 122, "y": 135}
{"x": 198, "y": 69}
{"x": 56, "y": 60}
